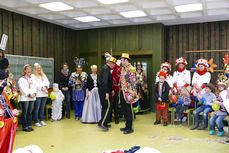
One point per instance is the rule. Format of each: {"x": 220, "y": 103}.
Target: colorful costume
{"x": 143, "y": 104}
{"x": 116, "y": 83}
{"x": 128, "y": 95}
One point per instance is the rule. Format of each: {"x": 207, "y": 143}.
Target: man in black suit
{"x": 105, "y": 90}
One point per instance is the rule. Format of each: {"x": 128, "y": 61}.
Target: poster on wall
{"x": 3, "y": 42}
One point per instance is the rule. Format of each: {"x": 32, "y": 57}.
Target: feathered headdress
{"x": 80, "y": 62}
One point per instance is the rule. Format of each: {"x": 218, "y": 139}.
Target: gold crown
{"x": 112, "y": 59}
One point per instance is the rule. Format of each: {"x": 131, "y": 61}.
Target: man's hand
{"x": 107, "y": 96}
{"x": 113, "y": 93}
{"x": 2, "y": 112}
{"x": 159, "y": 99}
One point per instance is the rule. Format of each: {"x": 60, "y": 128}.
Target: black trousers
{"x": 127, "y": 111}
{"x": 115, "y": 106}
{"x": 106, "y": 108}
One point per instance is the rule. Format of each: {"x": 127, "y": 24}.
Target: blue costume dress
{"x": 78, "y": 83}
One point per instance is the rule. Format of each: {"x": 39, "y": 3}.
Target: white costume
{"x": 199, "y": 79}
{"x": 57, "y": 103}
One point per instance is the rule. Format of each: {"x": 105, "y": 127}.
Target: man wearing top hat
{"x": 105, "y": 90}
{"x": 128, "y": 95}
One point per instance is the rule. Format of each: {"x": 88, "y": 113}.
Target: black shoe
{"x": 116, "y": 122}
{"x": 68, "y": 116}
{"x": 30, "y": 128}
{"x": 226, "y": 142}
{"x": 122, "y": 129}
{"x": 194, "y": 128}
{"x": 157, "y": 122}
{"x": 128, "y": 131}
{"x": 104, "y": 128}
{"x": 165, "y": 124}
{"x": 108, "y": 125}
{"x": 202, "y": 128}
{"x": 26, "y": 130}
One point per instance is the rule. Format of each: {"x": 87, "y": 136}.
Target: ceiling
{"x": 157, "y": 11}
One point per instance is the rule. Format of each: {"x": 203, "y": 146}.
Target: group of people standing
{"x": 95, "y": 95}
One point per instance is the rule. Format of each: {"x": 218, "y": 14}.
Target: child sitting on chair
{"x": 206, "y": 101}
{"x": 57, "y": 98}
{"x": 219, "y": 111}
{"x": 162, "y": 99}
{"x": 183, "y": 103}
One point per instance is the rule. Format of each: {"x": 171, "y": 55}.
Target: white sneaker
{"x": 43, "y": 123}
{"x": 38, "y": 124}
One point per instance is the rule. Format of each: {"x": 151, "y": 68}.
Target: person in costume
{"x": 128, "y": 95}
{"x": 205, "y": 101}
{"x": 142, "y": 90}
{"x": 28, "y": 91}
{"x": 105, "y": 92}
{"x": 57, "y": 98}
{"x": 42, "y": 85}
{"x": 78, "y": 81}
{"x": 162, "y": 99}
{"x": 182, "y": 76}
{"x": 92, "y": 105}
{"x": 63, "y": 84}
{"x": 200, "y": 77}
{"x": 220, "y": 111}
{"x": 166, "y": 66}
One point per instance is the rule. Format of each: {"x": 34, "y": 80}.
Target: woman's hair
{"x": 24, "y": 68}
{"x": 37, "y": 65}
{"x": 65, "y": 63}
{"x": 93, "y": 66}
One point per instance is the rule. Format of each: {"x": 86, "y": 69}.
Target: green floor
{"x": 70, "y": 136}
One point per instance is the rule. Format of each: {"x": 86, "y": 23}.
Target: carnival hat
{"x": 162, "y": 73}
{"x": 80, "y": 62}
{"x": 202, "y": 61}
{"x": 181, "y": 60}
{"x": 125, "y": 55}
{"x": 166, "y": 64}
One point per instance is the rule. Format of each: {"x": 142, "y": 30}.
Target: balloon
{"x": 215, "y": 106}
{"x": 53, "y": 96}
{"x": 173, "y": 98}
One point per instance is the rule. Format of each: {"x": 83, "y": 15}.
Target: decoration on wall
{"x": 212, "y": 65}
{"x": 3, "y": 42}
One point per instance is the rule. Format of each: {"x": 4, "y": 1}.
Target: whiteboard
{"x": 17, "y": 63}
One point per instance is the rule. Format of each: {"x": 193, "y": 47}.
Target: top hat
{"x": 125, "y": 55}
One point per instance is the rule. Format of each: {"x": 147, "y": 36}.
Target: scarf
{"x": 202, "y": 72}
{"x": 180, "y": 69}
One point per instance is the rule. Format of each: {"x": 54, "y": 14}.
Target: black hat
{"x": 3, "y": 75}
{"x": 4, "y": 63}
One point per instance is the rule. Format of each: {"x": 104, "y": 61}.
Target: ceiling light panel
{"x": 87, "y": 19}
{"x": 132, "y": 14}
{"x": 189, "y": 7}
{"x": 112, "y": 1}
{"x": 56, "y": 6}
